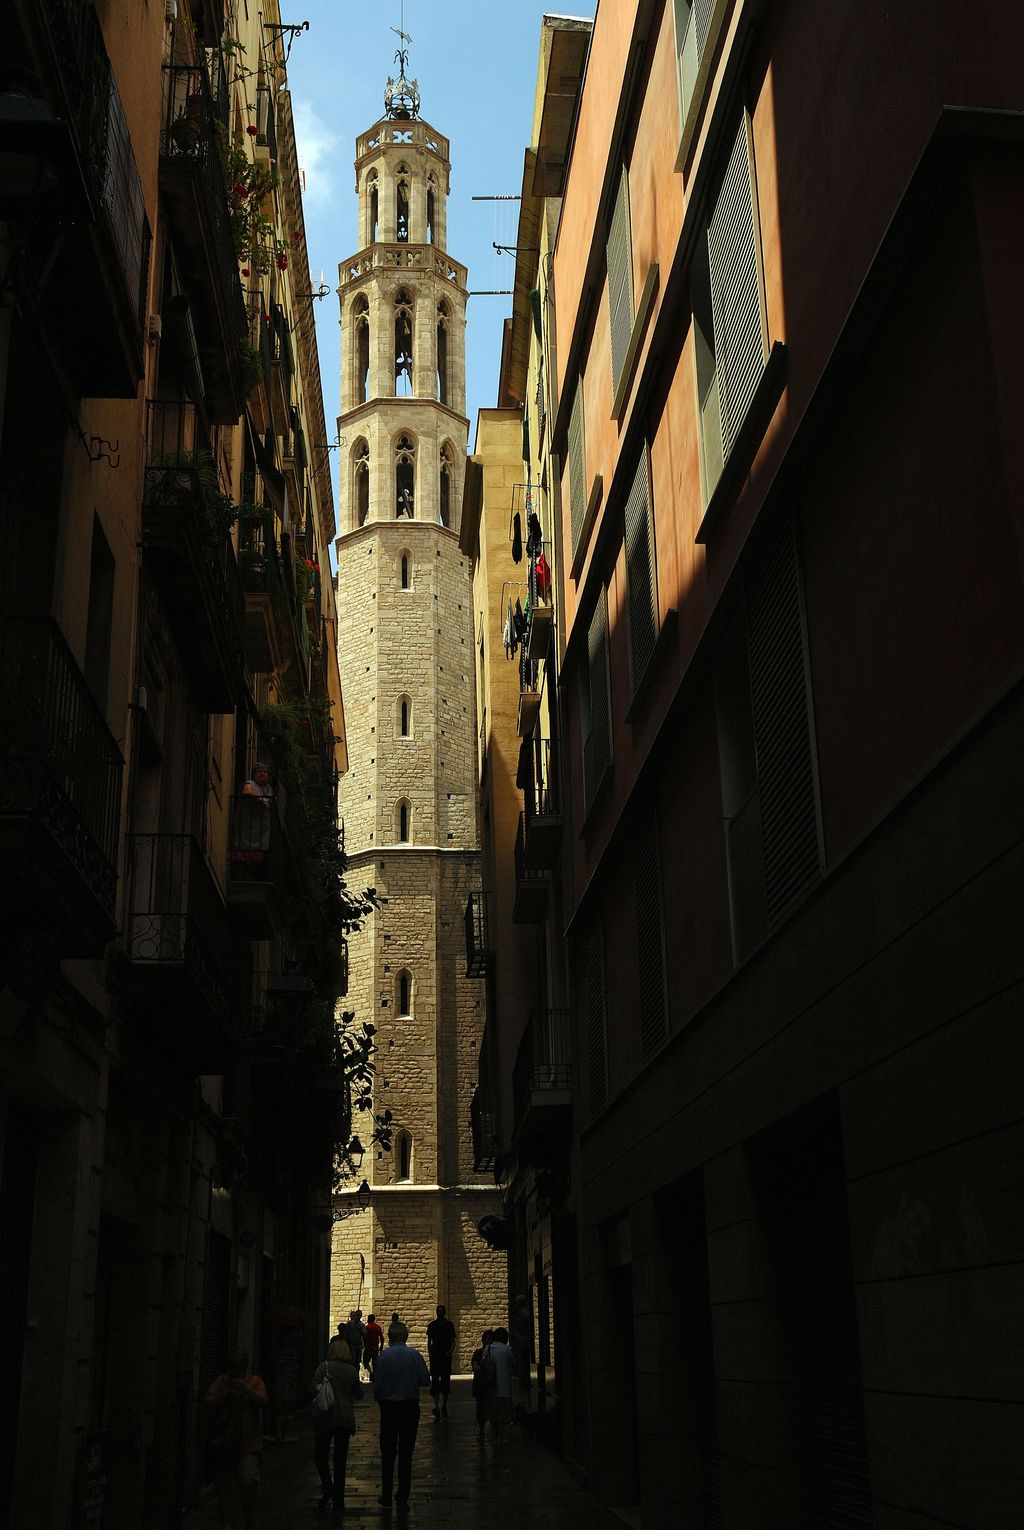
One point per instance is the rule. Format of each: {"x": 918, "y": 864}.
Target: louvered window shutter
{"x": 780, "y": 699}
{"x": 640, "y": 570}
{"x": 702, "y": 13}
{"x": 735, "y": 290}
{"x": 597, "y": 1030}
{"x": 620, "y": 279}
{"x": 577, "y": 480}
{"x": 650, "y": 930}
{"x": 597, "y": 749}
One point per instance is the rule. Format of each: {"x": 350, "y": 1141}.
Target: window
{"x": 403, "y": 343}
{"x": 445, "y": 486}
{"x": 595, "y": 1021}
{"x": 595, "y": 704}
{"x": 652, "y": 993}
{"x": 403, "y": 822}
{"x": 431, "y": 207}
{"x": 403, "y": 1155}
{"x": 693, "y": 23}
{"x": 403, "y": 993}
{"x": 405, "y": 717}
{"x": 620, "y": 278}
{"x": 405, "y": 476}
{"x": 373, "y": 205}
{"x": 577, "y": 468}
{"x": 402, "y": 204}
{"x": 361, "y": 480}
{"x": 443, "y": 320}
{"x": 361, "y": 324}
{"x": 766, "y": 750}
{"x": 406, "y": 571}
{"x": 729, "y": 329}
{"x": 641, "y": 574}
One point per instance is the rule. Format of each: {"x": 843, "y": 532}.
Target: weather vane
{"x": 402, "y": 96}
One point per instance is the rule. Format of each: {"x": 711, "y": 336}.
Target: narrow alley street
{"x": 456, "y": 1481}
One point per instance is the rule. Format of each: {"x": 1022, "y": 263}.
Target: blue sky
{"x": 476, "y": 63}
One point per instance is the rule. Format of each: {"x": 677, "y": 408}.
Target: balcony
{"x": 82, "y": 217}
{"x": 188, "y": 554}
{"x": 282, "y": 370}
{"x": 184, "y": 966}
{"x": 532, "y": 886}
{"x": 479, "y": 950}
{"x": 192, "y": 183}
{"x": 293, "y": 453}
{"x": 529, "y": 694}
{"x": 261, "y": 339}
{"x": 542, "y": 1088}
{"x": 60, "y": 793}
{"x": 257, "y": 874}
{"x": 485, "y": 1141}
{"x": 539, "y": 588}
{"x": 537, "y": 777}
{"x": 264, "y": 595}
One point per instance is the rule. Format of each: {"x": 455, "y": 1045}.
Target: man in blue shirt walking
{"x": 400, "y": 1372}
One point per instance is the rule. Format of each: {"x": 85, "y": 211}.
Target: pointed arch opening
{"x": 431, "y": 207}
{"x": 404, "y": 309}
{"x": 403, "y": 716}
{"x": 402, "y": 182}
{"x": 403, "y": 994}
{"x": 373, "y": 207}
{"x": 405, "y": 476}
{"x": 403, "y": 1155}
{"x": 361, "y": 480}
{"x": 445, "y": 495}
{"x": 361, "y": 328}
{"x": 403, "y": 822}
{"x": 405, "y": 569}
{"x": 444, "y": 318}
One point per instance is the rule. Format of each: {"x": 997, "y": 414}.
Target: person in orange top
{"x": 235, "y": 1440}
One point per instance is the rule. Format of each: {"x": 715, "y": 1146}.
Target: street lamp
{"x": 360, "y": 1202}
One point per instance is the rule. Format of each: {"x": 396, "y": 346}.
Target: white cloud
{"x": 317, "y": 150}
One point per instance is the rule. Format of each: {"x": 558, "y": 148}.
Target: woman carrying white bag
{"x": 335, "y": 1387}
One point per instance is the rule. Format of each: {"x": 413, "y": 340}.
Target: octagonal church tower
{"x": 408, "y": 799}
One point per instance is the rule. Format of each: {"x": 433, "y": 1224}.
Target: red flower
{"x": 240, "y": 191}
{"x": 282, "y": 262}
{"x": 251, "y": 131}
{"x": 296, "y": 238}
{"x": 246, "y": 271}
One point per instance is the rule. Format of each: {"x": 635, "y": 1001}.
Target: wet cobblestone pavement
{"x": 456, "y": 1482}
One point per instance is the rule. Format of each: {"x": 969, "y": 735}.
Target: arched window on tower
{"x": 402, "y": 204}
{"x": 403, "y": 822}
{"x": 431, "y": 205}
{"x": 406, "y": 570}
{"x": 403, "y": 343}
{"x": 405, "y": 717}
{"x": 444, "y": 316}
{"x": 361, "y": 480}
{"x": 403, "y": 1156}
{"x": 361, "y": 325}
{"x": 405, "y": 477}
{"x": 403, "y": 993}
{"x": 444, "y": 499}
{"x": 373, "y": 202}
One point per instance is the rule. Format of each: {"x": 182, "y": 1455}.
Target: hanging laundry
{"x": 517, "y": 538}
{"x": 543, "y": 575}
{"x": 534, "y": 539}
{"x": 508, "y": 635}
{"x": 519, "y": 622}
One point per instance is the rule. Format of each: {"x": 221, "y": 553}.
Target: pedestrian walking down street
{"x": 499, "y": 1361}
{"x": 396, "y": 1322}
{"x": 336, "y": 1427}
{"x": 400, "y": 1373}
{"x": 373, "y": 1343}
{"x": 480, "y": 1392}
{"x": 440, "y": 1348}
{"x": 356, "y": 1335}
{"x": 234, "y": 1443}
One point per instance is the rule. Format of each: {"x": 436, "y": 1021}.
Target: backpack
{"x": 322, "y": 1403}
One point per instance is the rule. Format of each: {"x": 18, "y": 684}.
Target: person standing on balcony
{"x": 251, "y": 833}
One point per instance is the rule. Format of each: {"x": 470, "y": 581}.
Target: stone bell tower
{"x": 408, "y": 800}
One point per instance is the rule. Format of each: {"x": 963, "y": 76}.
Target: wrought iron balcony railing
{"x": 60, "y": 769}
{"x": 542, "y": 1074}
{"x": 481, "y": 1123}
{"x": 532, "y": 882}
{"x": 479, "y": 949}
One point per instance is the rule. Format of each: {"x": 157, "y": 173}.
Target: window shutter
{"x": 640, "y": 571}
{"x": 702, "y": 13}
{"x": 620, "y": 279}
{"x": 781, "y": 706}
{"x": 735, "y": 290}
{"x": 598, "y": 746}
{"x": 577, "y": 480}
{"x": 650, "y": 930}
{"x": 597, "y": 1030}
